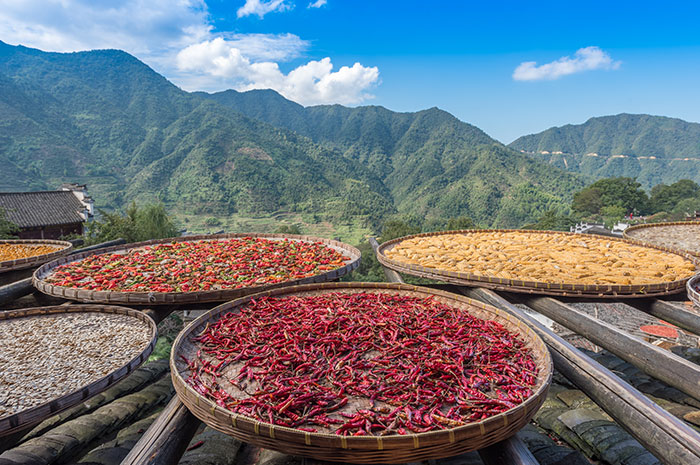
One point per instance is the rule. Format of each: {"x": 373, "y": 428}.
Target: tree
{"x": 288, "y": 229}
{"x": 552, "y": 221}
{"x": 666, "y": 198}
{"x": 625, "y": 193}
{"x": 460, "y": 222}
{"x": 587, "y": 202}
{"x": 138, "y": 224}
{"x": 8, "y": 229}
{"x": 397, "y": 228}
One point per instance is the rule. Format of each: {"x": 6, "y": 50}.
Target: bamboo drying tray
{"x": 611, "y": 291}
{"x": 31, "y": 416}
{"x": 177, "y": 298}
{"x": 366, "y": 449}
{"x": 693, "y": 288}
{"x": 62, "y": 248}
{"x": 629, "y": 233}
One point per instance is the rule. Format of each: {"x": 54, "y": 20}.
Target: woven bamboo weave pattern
{"x": 366, "y": 449}
{"x": 565, "y": 288}
{"x": 172, "y": 298}
{"x": 61, "y": 248}
{"x": 34, "y": 415}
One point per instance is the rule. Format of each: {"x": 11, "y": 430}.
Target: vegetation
{"x": 139, "y": 223}
{"x": 625, "y": 194}
{"x": 656, "y": 149}
{"x": 8, "y": 229}
{"x": 551, "y": 220}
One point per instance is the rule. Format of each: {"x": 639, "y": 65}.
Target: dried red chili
{"x": 199, "y": 266}
{"x": 361, "y": 364}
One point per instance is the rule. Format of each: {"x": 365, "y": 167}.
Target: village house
{"x": 48, "y": 214}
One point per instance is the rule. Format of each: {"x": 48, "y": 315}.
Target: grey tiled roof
{"x": 33, "y": 209}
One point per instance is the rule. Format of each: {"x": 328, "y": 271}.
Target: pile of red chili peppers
{"x": 199, "y": 266}
{"x": 360, "y": 364}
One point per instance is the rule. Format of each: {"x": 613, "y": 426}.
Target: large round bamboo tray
{"x": 28, "y": 417}
{"x": 630, "y": 232}
{"x": 611, "y": 291}
{"x": 177, "y": 298}
{"x": 62, "y": 248}
{"x": 693, "y": 288}
{"x": 366, "y": 449}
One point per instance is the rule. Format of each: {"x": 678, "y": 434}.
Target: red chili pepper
{"x": 361, "y": 364}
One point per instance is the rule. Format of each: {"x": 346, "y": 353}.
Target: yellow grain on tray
{"x": 544, "y": 257}
{"x": 16, "y": 251}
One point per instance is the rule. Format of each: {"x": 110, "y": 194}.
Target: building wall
{"x": 51, "y": 232}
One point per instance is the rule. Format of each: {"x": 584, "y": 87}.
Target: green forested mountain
{"x": 106, "y": 119}
{"x": 434, "y": 165}
{"x": 653, "y": 149}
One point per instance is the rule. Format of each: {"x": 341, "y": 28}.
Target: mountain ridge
{"x": 107, "y": 119}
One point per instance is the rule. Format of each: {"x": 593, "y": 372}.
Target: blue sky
{"x": 473, "y": 59}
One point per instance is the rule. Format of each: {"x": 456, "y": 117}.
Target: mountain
{"x": 654, "y": 149}
{"x": 434, "y": 165}
{"x": 106, "y": 119}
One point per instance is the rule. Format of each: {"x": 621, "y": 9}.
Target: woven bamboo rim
{"x": 177, "y": 298}
{"x": 693, "y": 288}
{"x": 368, "y": 449}
{"x": 62, "y": 248}
{"x": 611, "y": 291}
{"x": 28, "y": 417}
{"x": 637, "y": 227}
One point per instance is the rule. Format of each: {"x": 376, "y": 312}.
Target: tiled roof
{"x": 33, "y": 209}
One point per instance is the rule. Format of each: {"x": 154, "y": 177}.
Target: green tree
{"x": 397, "y": 228}
{"x": 625, "y": 193}
{"x": 288, "y": 229}
{"x": 667, "y": 197}
{"x": 552, "y": 221}
{"x": 612, "y": 214}
{"x": 587, "y": 202}
{"x": 8, "y": 229}
{"x": 460, "y": 222}
{"x": 137, "y": 224}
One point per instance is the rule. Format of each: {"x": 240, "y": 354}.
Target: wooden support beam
{"x": 14, "y": 291}
{"x": 166, "y": 439}
{"x": 665, "y": 436}
{"x": 653, "y": 360}
{"x": 668, "y": 311}
{"x": 511, "y": 451}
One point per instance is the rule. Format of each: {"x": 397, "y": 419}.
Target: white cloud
{"x": 585, "y": 59}
{"x": 312, "y": 83}
{"x": 153, "y": 30}
{"x": 262, "y": 7}
{"x": 317, "y": 4}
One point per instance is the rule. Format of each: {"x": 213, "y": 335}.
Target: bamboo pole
{"x": 653, "y": 360}
{"x": 166, "y": 439}
{"x": 668, "y": 311}
{"x": 665, "y": 436}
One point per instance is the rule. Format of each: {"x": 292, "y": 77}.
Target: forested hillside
{"x": 653, "y": 149}
{"x": 108, "y": 120}
{"x": 434, "y": 165}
